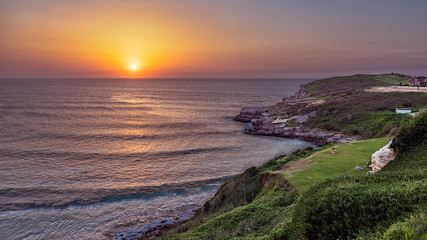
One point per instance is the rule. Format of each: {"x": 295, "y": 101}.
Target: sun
{"x": 133, "y": 67}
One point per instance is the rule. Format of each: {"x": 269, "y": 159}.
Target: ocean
{"x": 111, "y": 158}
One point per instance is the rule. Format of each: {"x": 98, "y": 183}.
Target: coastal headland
{"x": 337, "y": 109}
{"x": 327, "y": 193}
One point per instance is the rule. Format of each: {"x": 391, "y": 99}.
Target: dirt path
{"x": 397, "y": 89}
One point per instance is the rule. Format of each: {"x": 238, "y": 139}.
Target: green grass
{"x": 349, "y": 109}
{"x": 358, "y": 206}
{"x": 253, "y": 221}
{"x": 336, "y": 201}
{"x": 372, "y": 111}
{"x": 335, "y": 161}
{"x": 394, "y": 79}
{"x": 329, "y": 85}
{"x": 414, "y": 159}
{"x": 390, "y": 204}
{"x": 414, "y": 227}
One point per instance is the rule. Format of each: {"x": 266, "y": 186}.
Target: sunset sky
{"x": 221, "y": 38}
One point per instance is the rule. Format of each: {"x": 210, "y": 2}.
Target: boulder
{"x": 382, "y": 157}
{"x": 249, "y": 113}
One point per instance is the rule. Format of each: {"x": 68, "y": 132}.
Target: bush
{"x": 343, "y": 207}
{"x": 413, "y": 228}
{"x": 365, "y": 133}
{"x": 252, "y": 221}
{"x": 411, "y": 135}
{"x": 237, "y": 192}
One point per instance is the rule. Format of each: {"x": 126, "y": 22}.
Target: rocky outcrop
{"x": 262, "y": 124}
{"x": 247, "y": 114}
{"x": 382, "y": 157}
{"x": 303, "y": 118}
{"x": 303, "y": 133}
{"x": 296, "y": 97}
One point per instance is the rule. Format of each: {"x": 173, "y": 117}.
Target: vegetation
{"x": 366, "y": 206}
{"x": 336, "y": 85}
{"x": 412, "y": 135}
{"x": 414, "y": 227}
{"x": 345, "y": 207}
{"x": 335, "y": 161}
{"x": 316, "y": 193}
{"x": 342, "y": 104}
{"x": 255, "y": 220}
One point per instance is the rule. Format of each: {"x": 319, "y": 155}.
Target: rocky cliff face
{"x": 382, "y": 157}
{"x": 296, "y": 97}
{"x": 262, "y": 123}
{"x": 247, "y": 114}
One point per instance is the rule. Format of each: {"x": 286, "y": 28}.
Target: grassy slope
{"x": 273, "y": 213}
{"x": 347, "y": 108}
{"x": 388, "y": 205}
{"x": 251, "y": 221}
{"x": 270, "y": 212}
{"x": 339, "y": 160}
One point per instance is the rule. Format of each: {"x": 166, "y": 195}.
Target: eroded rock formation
{"x": 382, "y": 157}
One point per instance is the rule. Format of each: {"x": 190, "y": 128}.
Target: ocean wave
{"x": 65, "y": 155}
{"x": 123, "y": 137}
{"x": 95, "y": 196}
{"x": 103, "y": 107}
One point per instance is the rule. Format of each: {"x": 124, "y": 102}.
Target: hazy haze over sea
{"x": 96, "y": 158}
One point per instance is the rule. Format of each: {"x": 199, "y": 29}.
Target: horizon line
{"x": 2, "y": 78}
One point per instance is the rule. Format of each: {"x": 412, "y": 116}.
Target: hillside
{"x": 332, "y": 109}
{"x": 317, "y": 193}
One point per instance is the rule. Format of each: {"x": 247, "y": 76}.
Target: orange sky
{"x": 46, "y": 38}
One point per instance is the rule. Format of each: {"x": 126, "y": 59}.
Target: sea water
{"x": 112, "y": 158}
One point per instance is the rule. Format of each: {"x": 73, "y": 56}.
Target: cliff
{"x": 338, "y": 109}
{"x": 316, "y": 194}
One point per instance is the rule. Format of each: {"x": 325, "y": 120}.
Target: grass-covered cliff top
{"x": 336, "y": 85}
{"x": 317, "y": 193}
{"x": 342, "y": 104}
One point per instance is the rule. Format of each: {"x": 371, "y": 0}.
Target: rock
{"x": 249, "y": 113}
{"x": 296, "y": 97}
{"x": 382, "y": 157}
{"x": 303, "y": 118}
{"x": 260, "y": 122}
{"x": 249, "y": 127}
{"x": 359, "y": 168}
{"x": 279, "y": 121}
{"x": 312, "y": 114}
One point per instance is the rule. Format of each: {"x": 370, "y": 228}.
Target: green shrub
{"x": 237, "y": 192}
{"x": 365, "y": 133}
{"x": 344, "y": 206}
{"x": 254, "y": 220}
{"x": 412, "y": 134}
{"x": 413, "y": 228}
{"x": 278, "y": 162}
{"x": 414, "y": 159}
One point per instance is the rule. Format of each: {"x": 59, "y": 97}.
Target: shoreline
{"x": 261, "y": 122}
{"x": 163, "y": 226}
{"x": 262, "y": 125}
{"x": 266, "y": 121}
